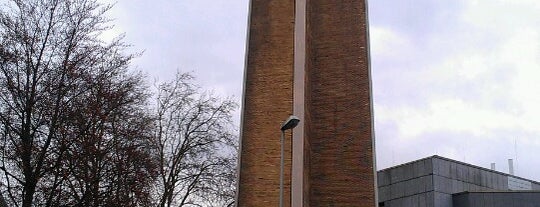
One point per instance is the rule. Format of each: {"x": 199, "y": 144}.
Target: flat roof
{"x": 459, "y": 162}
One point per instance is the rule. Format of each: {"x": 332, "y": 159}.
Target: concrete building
{"x": 441, "y": 182}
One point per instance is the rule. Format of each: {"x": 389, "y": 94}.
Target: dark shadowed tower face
{"x": 308, "y": 58}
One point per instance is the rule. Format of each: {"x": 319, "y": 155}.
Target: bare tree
{"x": 108, "y": 159}
{"x": 195, "y": 144}
{"x": 76, "y": 128}
{"x": 72, "y": 116}
{"x": 2, "y": 201}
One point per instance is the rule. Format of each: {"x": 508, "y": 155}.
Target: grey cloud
{"x": 206, "y": 37}
{"x": 415, "y": 18}
{"x": 495, "y": 147}
{"x": 437, "y": 33}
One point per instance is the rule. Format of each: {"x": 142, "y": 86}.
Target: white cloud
{"x": 387, "y": 43}
{"x": 466, "y": 65}
{"x": 502, "y": 16}
{"x": 475, "y": 87}
{"x": 449, "y": 115}
{"x": 516, "y": 49}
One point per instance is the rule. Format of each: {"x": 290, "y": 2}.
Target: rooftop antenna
{"x": 393, "y": 158}
{"x": 515, "y": 152}
{"x": 510, "y": 166}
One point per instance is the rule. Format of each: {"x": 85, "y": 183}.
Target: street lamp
{"x": 290, "y": 123}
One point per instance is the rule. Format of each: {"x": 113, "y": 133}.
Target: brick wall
{"x": 340, "y": 131}
{"x": 267, "y": 102}
{"x": 338, "y": 156}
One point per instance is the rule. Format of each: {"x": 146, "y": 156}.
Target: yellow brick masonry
{"x": 268, "y": 95}
{"x": 341, "y": 168}
{"x": 338, "y": 154}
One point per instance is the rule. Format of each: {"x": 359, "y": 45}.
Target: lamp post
{"x": 290, "y": 123}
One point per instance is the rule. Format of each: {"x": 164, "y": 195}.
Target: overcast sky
{"x": 457, "y": 78}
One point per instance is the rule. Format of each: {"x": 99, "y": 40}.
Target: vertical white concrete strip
{"x": 373, "y": 148}
{"x": 238, "y": 164}
{"x": 297, "y": 183}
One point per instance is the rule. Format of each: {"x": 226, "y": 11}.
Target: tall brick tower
{"x": 309, "y": 58}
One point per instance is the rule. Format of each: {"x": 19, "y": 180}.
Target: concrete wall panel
{"x": 422, "y": 200}
{"x": 497, "y": 199}
{"x": 443, "y": 200}
{"x": 448, "y": 177}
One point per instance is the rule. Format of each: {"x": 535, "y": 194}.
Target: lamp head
{"x": 290, "y": 123}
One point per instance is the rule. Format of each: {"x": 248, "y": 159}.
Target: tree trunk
{"x": 2, "y": 201}
{"x": 29, "y": 190}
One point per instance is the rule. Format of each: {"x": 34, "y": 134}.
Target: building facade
{"x": 309, "y": 59}
{"x": 441, "y": 182}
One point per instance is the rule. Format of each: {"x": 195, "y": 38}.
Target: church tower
{"x": 308, "y": 58}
